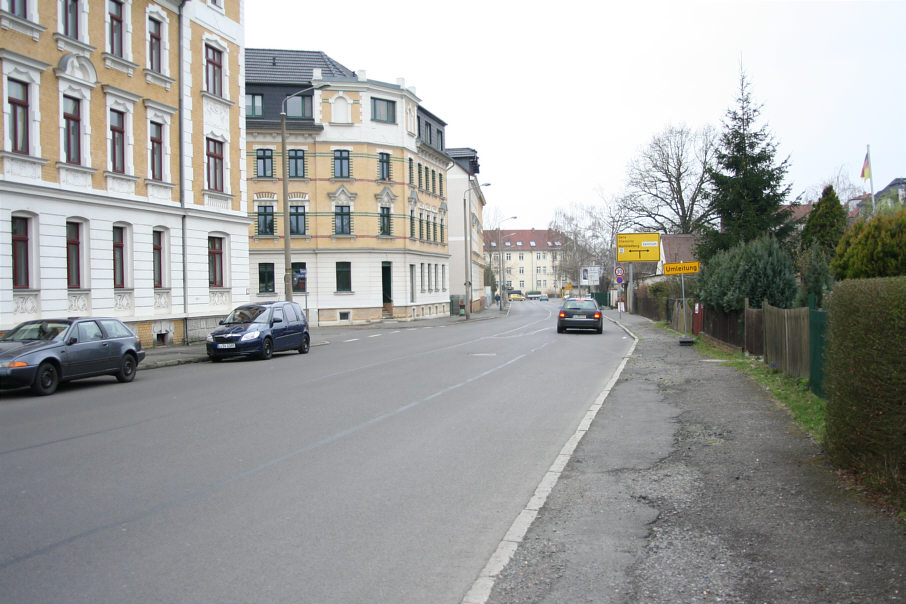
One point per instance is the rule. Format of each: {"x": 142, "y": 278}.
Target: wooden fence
{"x": 786, "y": 337}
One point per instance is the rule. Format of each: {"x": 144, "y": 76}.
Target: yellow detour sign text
{"x": 638, "y": 247}
{"x": 569, "y": 286}
{"x": 680, "y": 268}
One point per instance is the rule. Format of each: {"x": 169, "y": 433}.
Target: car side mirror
{"x": 220, "y": 322}
{"x": 72, "y": 340}
{"x": 278, "y": 320}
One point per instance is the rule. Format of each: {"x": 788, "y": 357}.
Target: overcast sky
{"x": 557, "y": 97}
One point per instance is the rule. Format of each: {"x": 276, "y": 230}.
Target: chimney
{"x": 361, "y": 75}
{"x": 316, "y": 74}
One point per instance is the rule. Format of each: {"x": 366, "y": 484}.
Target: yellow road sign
{"x": 638, "y": 247}
{"x": 680, "y": 268}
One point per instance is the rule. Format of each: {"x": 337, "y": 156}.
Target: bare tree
{"x": 843, "y": 187}
{"x": 590, "y": 233}
{"x": 668, "y": 182}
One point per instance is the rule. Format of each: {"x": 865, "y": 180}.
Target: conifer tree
{"x": 825, "y": 224}
{"x": 748, "y": 191}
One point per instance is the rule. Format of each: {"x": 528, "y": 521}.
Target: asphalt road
{"x": 386, "y": 466}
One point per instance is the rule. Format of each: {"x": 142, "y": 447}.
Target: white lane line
{"x": 481, "y": 588}
{"x": 375, "y": 335}
{"x": 352, "y": 340}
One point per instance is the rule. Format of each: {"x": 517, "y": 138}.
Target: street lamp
{"x": 287, "y": 244}
{"x": 500, "y": 252}
{"x": 467, "y": 242}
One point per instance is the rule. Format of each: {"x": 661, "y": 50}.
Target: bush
{"x": 876, "y": 248}
{"x": 866, "y": 381}
{"x": 758, "y": 270}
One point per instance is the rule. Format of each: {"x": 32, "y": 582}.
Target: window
{"x": 215, "y": 261}
{"x": 433, "y": 181}
{"x": 440, "y": 184}
{"x": 17, "y": 7}
{"x": 213, "y": 71}
{"x": 435, "y": 228}
{"x": 298, "y": 106}
{"x": 344, "y": 277}
{"x": 342, "y": 221}
{"x": 266, "y": 278}
{"x": 253, "y": 105}
{"x": 71, "y": 18}
{"x": 264, "y": 163}
{"x": 72, "y": 123}
{"x": 421, "y": 225}
{"x": 157, "y": 151}
{"x": 18, "y": 115}
{"x": 157, "y": 254}
{"x": 383, "y": 111}
{"x": 154, "y": 44}
{"x": 265, "y": 220}
{"x": 119, "y": 257}
{"x": 296, "y": 163}
{"x": 411, "y": 172}
{"x": 412, "y": 224}
{"x": 73, "y": 255}
{"x": 115, "y": 8}
{"x": 296, "y": 220}
{"x": 383, "y": 166}
{"x": 117, "y": 141}
{"x": 341, "y": 164}
{"x": 385, "y": 221}
{"x": 215, "y": 165}
{"x": 20, "y": 252}
{"x": 299, "y": 277}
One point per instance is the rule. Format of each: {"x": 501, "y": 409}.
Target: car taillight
{"x": 597, "y": 315}
{"x": 562, "y": 314}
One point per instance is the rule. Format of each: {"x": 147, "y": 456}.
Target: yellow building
{"x": 122, "y": 180}
{"x": 358, "y": 190}
{"x": 531, "y": 259}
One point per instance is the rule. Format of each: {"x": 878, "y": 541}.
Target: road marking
{"x": 375, "y": 335}
{"x": 352, "y": 340}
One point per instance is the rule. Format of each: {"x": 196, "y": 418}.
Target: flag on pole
{"x": 866, "y": 167}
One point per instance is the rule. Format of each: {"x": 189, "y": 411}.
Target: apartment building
{"x": 530, "y": 259}
{"x": 122, "y": 176}
{"x": 467, "y": 194}
{"x": 350, "y": 212}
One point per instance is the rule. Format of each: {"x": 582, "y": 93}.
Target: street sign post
{"x": 638, "y": 247}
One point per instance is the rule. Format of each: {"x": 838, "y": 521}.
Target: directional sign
{"x": 618, "y": 271}
{"x": 680, "y": 268}
{"x": 638, "y": 247}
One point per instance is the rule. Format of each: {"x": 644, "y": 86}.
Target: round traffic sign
{"x": 619, "y": 279}
{"x": 618, "y": 271}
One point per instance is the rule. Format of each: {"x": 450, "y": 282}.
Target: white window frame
{"x": 128, "y": 256}
{"x": 26, "y": 70}
{"x": 162, "y": 77}
{"x": 124, "y": 102}
{"x": 218, "y": 44}
{"x": 162, "y": 114}
{"x": 164, "y": 256}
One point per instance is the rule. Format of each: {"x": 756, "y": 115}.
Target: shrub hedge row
{"x": 866, "y": 381}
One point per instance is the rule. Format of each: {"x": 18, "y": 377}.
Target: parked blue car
{"x": 44, "y": 352}
{"x": 260, "y": 330}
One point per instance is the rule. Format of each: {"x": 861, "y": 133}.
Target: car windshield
{"x": 581, "y": 304}
{"x": 38, "y": 330}
{"x": 247, "y": 314}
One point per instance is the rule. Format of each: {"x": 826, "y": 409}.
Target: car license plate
{"x": 231, "y": 345}
{"x": 578, "y": 316}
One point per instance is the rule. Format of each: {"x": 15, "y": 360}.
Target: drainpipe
{"x": 182, "y": 183}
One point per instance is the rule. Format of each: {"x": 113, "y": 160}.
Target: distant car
{"x": 515, "y": 296}
{"x": 44, "y": 352}
{"x": 260, "y": 330}
{"x": 543, "y": 298}
{"x": 580, "y": 313}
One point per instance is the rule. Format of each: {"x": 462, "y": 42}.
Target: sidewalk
{"x": 693, "y": 485}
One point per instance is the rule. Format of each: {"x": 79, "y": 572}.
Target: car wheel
{"x": 46, "y": 380}
{"x": 560, "y": 329}
{"x": 127, "y": 369}
{"x": 600, "y": 330}
{"x": 306, "y": 344}
{"x": 267, "y": 349}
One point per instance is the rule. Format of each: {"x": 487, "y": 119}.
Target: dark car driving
{"x": 580, "y": 313}
{"x": 45, "y": 352}
{"x": 260, "y": 330}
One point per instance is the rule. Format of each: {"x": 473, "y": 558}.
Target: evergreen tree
{"x": 876, "y": 248}
{"x": 747, "y": 187}
{"x": 825, "y": 224}
{"x": 758, "y": 270}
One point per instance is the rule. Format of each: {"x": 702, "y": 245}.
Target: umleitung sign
{"x": 680, "y": 268}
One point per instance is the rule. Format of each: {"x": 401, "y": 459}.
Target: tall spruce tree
{"x": 748, "y": 191}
